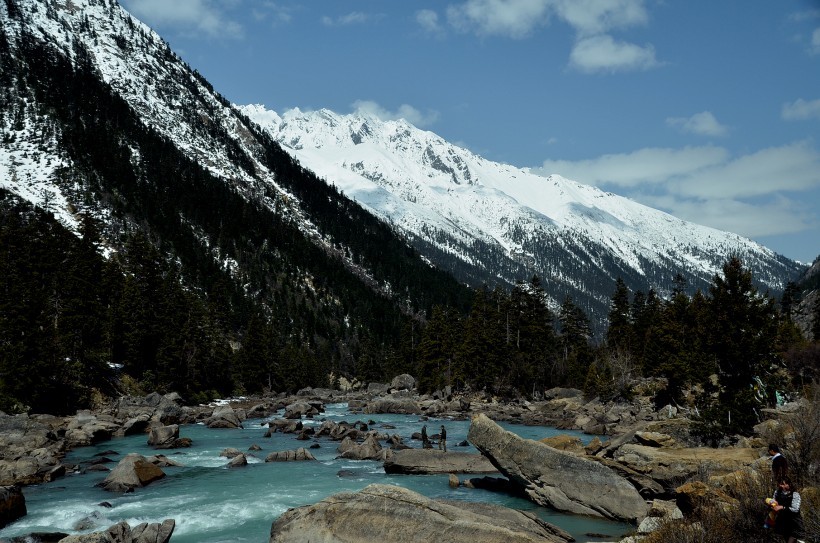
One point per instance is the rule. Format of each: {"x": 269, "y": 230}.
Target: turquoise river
{"x": 214, "y": 504}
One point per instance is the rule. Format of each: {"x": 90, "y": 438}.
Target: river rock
{"x": 300, "y": 409}
{"x": 223, "y": 416}
{"x": 434, "y": 461}
{"x": 403, "y": 382}
{"x": 391, "y": 513}
{"x": 238, "y": 461}
{"x": 370, "y": 449}
{"x": 167, "y": 437}
{"x": 391, "y": 404}
{"x": 12, "y": 504}
{"x": 290, "y": 456}
{"x": 133, "y": 471}
{"x": 557, "y": 479}
{"x": 30, "y": 448}
{"x": 123, "y": 533}
{"x": 156, "y": 407}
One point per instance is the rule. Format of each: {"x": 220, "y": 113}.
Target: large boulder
{"x": 433, "y": 461}
{"x": 290, "y": 456}
{"x": 122, "y": 532}
{"x": 12, "y": 504}
{"x": 554, "y": 478}
{"x": 155, "y": 407}
{"x": 370, "y": 449}
{"x": 403, "y": 382}
{"x": 224, "y": 416}
{"x": 391, "y": 404}
{"x": 167, "y": 437}
{"x": 133, "y": 471}
{"x": 391, "y": 513}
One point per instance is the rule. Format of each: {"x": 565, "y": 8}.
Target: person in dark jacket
{"x": 789, "y": 523}
{"x": 425, "y": 441}
{"x": 780, "y": 467}
{"x": 442, "y": 442}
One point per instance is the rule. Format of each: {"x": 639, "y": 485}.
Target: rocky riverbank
{"x": 646, "y": 453}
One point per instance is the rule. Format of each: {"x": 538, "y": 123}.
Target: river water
{"x": 214, "y": 504}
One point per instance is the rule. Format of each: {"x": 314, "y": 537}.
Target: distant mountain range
{"x": 489, "y": 222}
{"x": 101, "y": 117}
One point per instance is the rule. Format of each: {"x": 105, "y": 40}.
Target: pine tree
{"x": 742, "y": 334}
{"x": 619, "y": 331}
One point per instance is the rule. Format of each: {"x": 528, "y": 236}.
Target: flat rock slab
{"x": 557, "y": 479}
{"x": 391, "y": 513}
{"x": 433, "y": 461}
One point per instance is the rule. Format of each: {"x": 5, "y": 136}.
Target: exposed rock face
{"x": 557, "y": 479}
{"x": 12, "y": 504}
{"x": 391, "y": 513}
{"x": 133, "y": 471}
{"x": 123, "y": 533}
{"x": 429, "y": 461}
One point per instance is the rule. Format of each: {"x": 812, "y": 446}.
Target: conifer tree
{"x": 619, "y": 331}
{"x": 742, "y": 333}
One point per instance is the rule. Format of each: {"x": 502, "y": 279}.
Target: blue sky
{"x": 707, "y": 109}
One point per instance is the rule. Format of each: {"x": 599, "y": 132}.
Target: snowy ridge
{"x": 163, "y": 91}
{"x": 425, "y": 185}
{"x": 483, "y": 221}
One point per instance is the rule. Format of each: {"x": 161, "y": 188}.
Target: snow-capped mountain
{"x": 504, "y": 220}
{"x": 141, "y": 141}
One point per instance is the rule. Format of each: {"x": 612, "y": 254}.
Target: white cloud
{"x": 794, "y": 167}
{"x": 428, "y": 20}
{"x": 703, "y": 123}
{"x": 642, "y": 167}
{"x": 801, "y": 110}
{"x": 405, "y": 111}
{"x": 353, "y": 18}
{"x": 759, "y": 194}
{"x": 202, "y": 16}
{"x": 511, "y": 18}
{"x": 604, "y": 54}
{"x": 776, "y": 216}
{"x": 591, "y": 17}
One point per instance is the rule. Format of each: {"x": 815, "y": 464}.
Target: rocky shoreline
{"x": 648, "y": 454}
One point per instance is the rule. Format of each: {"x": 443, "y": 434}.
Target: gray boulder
{"x": 391, "y": 513}
{"x": 122, "y": 532}
{"x": 370, "y": 449}
{"x": 407, "y": 406}
{"x": 167, "y": 437}
{"x": 224, "y": 416}
{"x": 133, "y": 471}
{"x": 554, "y": 478}
{"x": 403, "y": 382}
{"x": 290, "y": 456}
{"x": 430, "y": 461}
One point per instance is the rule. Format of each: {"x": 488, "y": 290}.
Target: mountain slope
{"x": 489, "y": 222}
{"x": 101, "y": 119}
